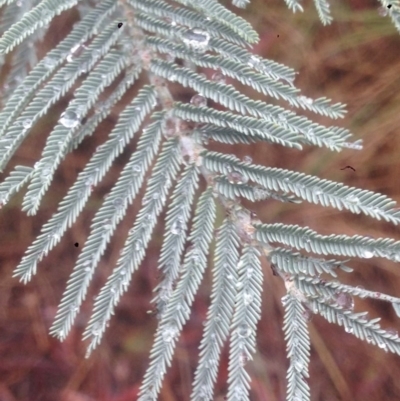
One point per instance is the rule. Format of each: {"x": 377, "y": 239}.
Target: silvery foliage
{"x": 175, "y": 135}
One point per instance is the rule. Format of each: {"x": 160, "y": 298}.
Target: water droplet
{"x": 247, "y": 159}
{"x": 46, "y": 14}
{"x": 285, "y": 299}
{"x": 170, "y": 126}
{"x": 76, "y": 51}
{"x": 136, "y": 169}
{"x": 392, "y": 332}
{"x": 317, "y": 191}
{"x": 253, "y": 61}
{"x": 307, "y": 315}
{"x": 210, "y": 363}
{"x": 243, "y": 359}
{"x": 348, "y": 328}
{"x": 106, "y": 224}
{"x": 260, "y": 193}
{"x": 353, "y": 145}
{"x": 345, "y": 300}
{"x": 235, "y": 177}
{"x": 169, "y": 332}
{"x": 69, "y": 119}
{"x": 196, "y": 39}
{"x": 306, "y": 100}
{"x": 46, "y": 172}
{"x": 218, "y": 77}
{"x": 244, "y": 331}
{"x": 96, "y": 329}
{"x": 352, "y": 199}
{"x": 249, "y": 272}
{"x": 27, "y": 123}
{"x": 138, "y": 245}
{"x": 96, "y": 53}
{"x": 382, "y": 344}
{"x": 49, "y": 62}
{"x": 118, "y": 203}
{"x": 298, "y": 365}
{"x": 83, "y": 67}
{"x": 198, "y": 100}
{"x": 204, "y": 393}
{"x": 56, "y": 89}
{"x": 282, "y": 117}
{"x": 177, "y": 226}
{"x": 230, "y": 277}
{"x": 395, "y": 257}
{"x": 310, "y": 133}
{"x": 113, "y": 288}
{"x": 360, "y": 290}
{"x": 239, "y": 285}
{"x": 238, "y": 392}
{"x": 89, "y": 181}
{"x": 365, "y": 253}
{"x": 247, "y": 298}
{"x": 369, "y": 339}
{"x": 298, "y": 397}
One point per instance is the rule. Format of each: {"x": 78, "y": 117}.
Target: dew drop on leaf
{"x": 382, "y": 344}
{"x": 218, "y": 77}
{"x": 27, "y": 123}
{"x": 177, "y": 227}
{"x": 352, "y": 199}
{"x": 282, "y": 117}
{"x": 345, "y": 300}
{"x": 199, "y": 101}
{"x": 96, "y": 329}
{"x": 235, "y": 177}
{"x": 253, "y": 61}
{"x": 197, "y": 39}
{"x": 169, "y": 332}
{"x": 46, "y": 172}
{"x": 247, "y": 159}
{"x": 367, "y": 254}
{"x": 243, "y": 359}
{"x": 49, "y": 62}
{"x": 244, "y": 331}
{"x": 118, "y": 203}
{"x": 247, "y": 298}
{"x": 69, "y": 119}
{"x": 305, "y": 100}
{"x": 299, "y": 365}
{"x": 307, "y": 315}
{"x": 136, "y": 169}
{"x": 360, "y": 290}
{"x": 348, "y": 328}
{"x": 170, "y": 126}
{"x": 138, "y": 245}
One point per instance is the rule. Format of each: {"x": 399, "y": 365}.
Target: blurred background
{"x": 354, "y": 61}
